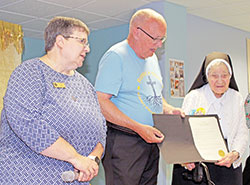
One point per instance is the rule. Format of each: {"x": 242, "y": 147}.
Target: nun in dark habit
{"x": 215, "y": 91}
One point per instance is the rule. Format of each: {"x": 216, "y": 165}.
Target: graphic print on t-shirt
{"x": 149, "y": 91}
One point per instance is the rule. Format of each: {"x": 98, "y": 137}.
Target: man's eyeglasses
{"x": 82, "y": 40}
{"x": 153, "y": 38}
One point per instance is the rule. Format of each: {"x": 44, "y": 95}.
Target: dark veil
{"x": 201, "y": 78}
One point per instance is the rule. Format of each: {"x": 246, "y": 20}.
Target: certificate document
{"x": 190, "y": 139}
{"x": 208, "y": 138}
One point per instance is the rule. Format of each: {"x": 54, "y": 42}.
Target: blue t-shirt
{"x": 135, "y": 83}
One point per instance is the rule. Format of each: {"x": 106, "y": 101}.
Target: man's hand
{"x": 150, "y": 134}
{"x": 169, "y": 109}
{"x": 175, "y": 110}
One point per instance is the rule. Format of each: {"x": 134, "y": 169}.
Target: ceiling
{"x": 34, "y": 15}
{"x": 234, "y": 13}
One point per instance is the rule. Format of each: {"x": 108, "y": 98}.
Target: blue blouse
{"x": 40, "y": 105}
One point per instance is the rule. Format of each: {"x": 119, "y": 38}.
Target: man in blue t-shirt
{"x": 129, "y": 88}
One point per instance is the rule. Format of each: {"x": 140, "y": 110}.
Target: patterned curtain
{"x": 248, "y": 63}
{"x": 11, "y": 48}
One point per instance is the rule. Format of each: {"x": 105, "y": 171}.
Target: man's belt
{"x": 121, "y": 128}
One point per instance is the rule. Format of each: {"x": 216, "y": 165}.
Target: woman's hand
{"x": 87, "y": 167}
{"x": 228, "y": 159}
{"x": 189, "y": 166}
{"x": 64, "y": 151}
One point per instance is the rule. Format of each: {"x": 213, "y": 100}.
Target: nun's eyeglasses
{"x": 82, "y": 40}
{"x": 216, "y": 76}
{"x": 157, "y": 39}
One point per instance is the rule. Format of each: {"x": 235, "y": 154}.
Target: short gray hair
{"x": 61, "y": 26}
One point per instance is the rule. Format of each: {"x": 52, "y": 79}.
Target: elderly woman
{"x": 215, "y": 92}
{"x": 51, "y": 121}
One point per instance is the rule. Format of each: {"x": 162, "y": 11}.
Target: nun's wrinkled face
{"x": 218, "y": 79}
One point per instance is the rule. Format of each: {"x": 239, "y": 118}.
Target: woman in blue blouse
{"x": 51, "y": 121}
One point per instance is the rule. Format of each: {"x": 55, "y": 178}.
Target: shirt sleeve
{"x": 23, "y": 105}
{"x": 103, "y": 132}
{"x": 109, "y": 75}
{"x": 240, "y": 139}
{"x": 188, "y": 102}
{"x": 104, "y": 135}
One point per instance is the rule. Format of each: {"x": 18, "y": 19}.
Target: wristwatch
{"x": 94, "y": 158}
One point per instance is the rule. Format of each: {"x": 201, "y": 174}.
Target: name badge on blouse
{"x": 199, "y": 111}
{"x": 59, "y": 85}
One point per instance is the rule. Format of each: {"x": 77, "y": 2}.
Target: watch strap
{"x": 94, "y": 158}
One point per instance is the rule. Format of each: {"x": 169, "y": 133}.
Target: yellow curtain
{"x": 11, "y": 48}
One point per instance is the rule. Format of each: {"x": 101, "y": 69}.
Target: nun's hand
{"x": 189, "y": 166}
{"x": 228, "y": 159}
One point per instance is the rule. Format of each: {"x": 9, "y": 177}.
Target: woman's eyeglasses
{"x": 82, "y": 40}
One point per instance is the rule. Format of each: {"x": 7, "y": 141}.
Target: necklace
{"x": 53, "y": 65}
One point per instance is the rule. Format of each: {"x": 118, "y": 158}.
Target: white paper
{"x": 208, "y": 138}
